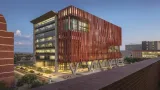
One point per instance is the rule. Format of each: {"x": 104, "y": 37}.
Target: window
{"x": 52, "y": 51}
{"x": 80, "y": 26}
{"x": 66, "y": 24}
{"x": 42, "y": 57}
{"x": 42, "y": 40}
{"x": 37, "y": 40}
{"x": 36, "y": 30}
{"x": 52, "y": 57}
{"x": 73, "y": 24}
{"x": 39, "y": 51}
{"x": 43, "y": 45}
{"x": 37, "y": 45}
{"x": 49, "y": 45}
{"x": 83, "y": 26}
{"x": 47, "y": 51}
{"x": 49, "y": 38}
{"x": 45, "y": 21}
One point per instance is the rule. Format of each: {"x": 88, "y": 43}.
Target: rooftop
{"x": 43, "y": 17}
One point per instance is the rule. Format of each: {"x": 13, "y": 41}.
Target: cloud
{"x": 27, "y": 36}
{"x": 18, "y": 43}
{"x": 23, "y": 41}
{"x": 18, "y": 33}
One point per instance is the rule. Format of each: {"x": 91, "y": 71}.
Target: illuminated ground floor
{"x": 79, "y": 67}
{"x": 145, "y": 54}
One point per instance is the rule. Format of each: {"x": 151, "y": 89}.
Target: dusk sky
{"x": 139, "y": 19}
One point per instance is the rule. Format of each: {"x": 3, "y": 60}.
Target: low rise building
{"x": 131, "y": 47}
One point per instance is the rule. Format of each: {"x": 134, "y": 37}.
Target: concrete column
{"x": 110, "y": 64}
{"x": 73, "y": 69}
{"x": 90, "y": 66}
{"x": 100, "y": 65}
{"x": 34, "y": 57}
{"x": 56, "y": 44}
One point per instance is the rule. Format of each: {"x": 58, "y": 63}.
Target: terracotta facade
{"x": 94, "y": 44}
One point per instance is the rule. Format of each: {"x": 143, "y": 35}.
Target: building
{"x": 145, "y": 54}
{"x": 72, "y": 37}
{"x": 133, "y": 47}
{"x": 126, "y": 53}
{"x": 150, "y": 45}
{"x": 6, "y": 53}
{"x": 45, "y": 40}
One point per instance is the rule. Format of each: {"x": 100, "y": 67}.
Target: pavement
{"x": 57, "y": 77}
{"x": 22, "y": 74}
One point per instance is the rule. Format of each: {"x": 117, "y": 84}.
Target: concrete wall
{"x": 137, "y": 54}
{"x": 158, "y": 45}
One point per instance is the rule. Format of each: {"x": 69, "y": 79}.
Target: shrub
{"x": 39, "y": 74}
{"x": 39, "y": 69}
{"x": 48, "y": 71}
{"x": 22, "y": 68}
{"x": 31, "y": 71}
{"x": 29, "y": 79}
{"x": 131, "y": 60}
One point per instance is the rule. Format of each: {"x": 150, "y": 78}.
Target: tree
{"x": 29, "y": 79}
{"x": 16, "y": 58}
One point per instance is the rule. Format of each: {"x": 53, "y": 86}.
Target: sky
{"x": 139, "y": 19}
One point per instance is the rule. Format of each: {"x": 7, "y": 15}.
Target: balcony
{"x": 143, "y": 75}
{"x": 39, "y": 26}
{"x": 45, "y": 30}
{"x": 45, "y": 47}
{"x": 45, "y": 42}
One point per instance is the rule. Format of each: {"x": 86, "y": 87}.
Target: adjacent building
{"x": 146, "y": 54}
{"x": 150, "y": 45}
{"x": 44, "y": 40}
{"x": 147, "y": 49}
{"x": 133, "y": 47}
{"x": 126, "y": 53}
{"x": 72, "y": 35}
{"x": 6, "y": 53}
